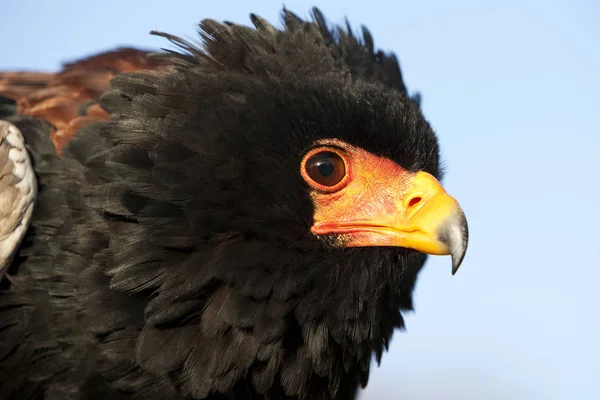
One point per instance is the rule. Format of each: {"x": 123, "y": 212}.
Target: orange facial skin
{"x": 378, "y": 203}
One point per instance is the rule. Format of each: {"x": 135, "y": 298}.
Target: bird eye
{"x": 325, "y": 168}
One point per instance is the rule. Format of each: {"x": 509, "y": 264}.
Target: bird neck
{"x": 237, "y": 318}
{"x": 272, "y": 346}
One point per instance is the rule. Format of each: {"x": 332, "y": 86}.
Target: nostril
{"x": 414, "y": 201}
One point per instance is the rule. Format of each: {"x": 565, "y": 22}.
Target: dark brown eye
{"x": 326, "y": 168}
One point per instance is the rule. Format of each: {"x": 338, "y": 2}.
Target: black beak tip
{"x": 456, "y": 262}
{"x": 456, "y": 235}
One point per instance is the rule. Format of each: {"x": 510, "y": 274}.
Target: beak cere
{"x": 388, "y": 206}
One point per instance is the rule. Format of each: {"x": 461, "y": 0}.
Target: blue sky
{"x": 512, "y": 88}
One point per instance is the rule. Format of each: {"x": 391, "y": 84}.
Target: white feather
{"x": 18, "y": 191}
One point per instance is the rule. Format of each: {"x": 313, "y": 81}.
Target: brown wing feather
{"x": 62, "y": 98}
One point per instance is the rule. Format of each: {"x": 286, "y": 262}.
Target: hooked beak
{"x": 416, "y": 214}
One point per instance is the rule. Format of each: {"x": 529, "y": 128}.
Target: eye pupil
{"x": 326, "y": 168}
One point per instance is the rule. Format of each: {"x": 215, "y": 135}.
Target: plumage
{"x": 68, "y": 99}
{"x": 178, "y": 249}
{"x": 17, "y": 192}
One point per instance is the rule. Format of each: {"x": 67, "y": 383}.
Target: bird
{"x": 240, "y": 218}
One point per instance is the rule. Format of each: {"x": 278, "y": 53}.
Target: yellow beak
{"x": 422, "y": 217}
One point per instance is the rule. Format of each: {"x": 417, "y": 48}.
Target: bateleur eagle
{"x": 243, "y": 219}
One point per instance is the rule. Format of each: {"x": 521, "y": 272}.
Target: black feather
{"x": 170, "y": 255}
